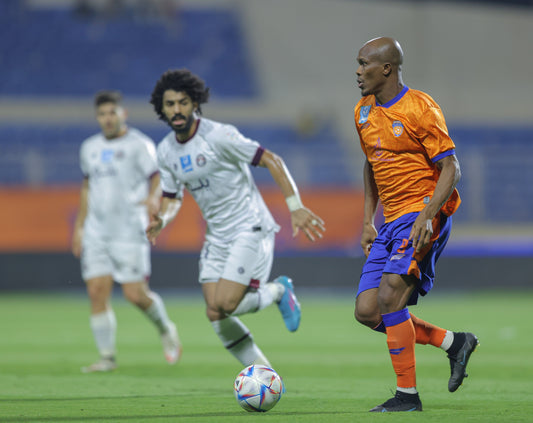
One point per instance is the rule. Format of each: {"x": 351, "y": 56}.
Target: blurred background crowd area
{"x": 283, "y": 72}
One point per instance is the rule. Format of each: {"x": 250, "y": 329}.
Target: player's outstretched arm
{"x": 301, "y": 217}
{"x": 152, "y": 202}
{"x": 168, "y": 211}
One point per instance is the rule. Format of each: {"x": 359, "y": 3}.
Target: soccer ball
{"x": 258, "y": 388}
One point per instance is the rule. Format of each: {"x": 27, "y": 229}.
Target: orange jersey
{"x": 402, "y": 141}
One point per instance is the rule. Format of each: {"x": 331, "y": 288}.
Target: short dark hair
{"x": 179, "y": 80}
{"x": 107, "y": 96}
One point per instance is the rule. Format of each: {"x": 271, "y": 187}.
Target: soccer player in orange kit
{"x": 412, "y": 169}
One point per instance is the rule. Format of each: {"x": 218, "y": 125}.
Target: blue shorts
{"x": 392, "y": 253}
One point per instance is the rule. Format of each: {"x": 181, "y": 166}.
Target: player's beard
{"x": 112, "y": 131}
{"x": 182, "y": 129}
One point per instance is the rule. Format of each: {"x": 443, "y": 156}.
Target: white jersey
{"x": 214, "y": 167}
{"x": 119, "y": 173}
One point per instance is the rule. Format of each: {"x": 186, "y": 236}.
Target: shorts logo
{"x": 186, "y": 163}
{"x": 363, "y": 114}
{"x": 397, "y": 257}
{"x": 397, "y": 128}
{"x": 200, "y": 160}
{"x": 240, "y": 270}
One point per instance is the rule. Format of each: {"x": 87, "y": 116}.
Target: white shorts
{"x": 124, "y": 261}
{"x": 246, "y": 260}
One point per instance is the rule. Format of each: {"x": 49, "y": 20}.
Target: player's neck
{"x": 182, "y": 138}
{"x": 388, "y": 93}
{"x": 119, "y": 134}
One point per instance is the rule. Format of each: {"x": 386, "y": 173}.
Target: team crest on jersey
{"x": 363, "y": 114}
{"x": 186, "y": 163}
{"x": 120, "y": 154}
{"x": 106, "y": 156}
{"x": 201, "y": 160}
{"x": 397, "y": 128}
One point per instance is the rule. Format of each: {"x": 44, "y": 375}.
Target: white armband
{"x": 164, "y": 221}
{"x": 294, "y": 202}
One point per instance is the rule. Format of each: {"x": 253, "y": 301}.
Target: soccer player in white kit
{"x": 119, "y": 190}
{"x": 211, "y": 160}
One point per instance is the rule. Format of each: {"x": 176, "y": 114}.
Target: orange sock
{"x": 426, "y": 333}
{"x": 401, "y": 341}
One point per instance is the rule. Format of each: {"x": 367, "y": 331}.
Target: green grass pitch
{"x": 334, "y": 369}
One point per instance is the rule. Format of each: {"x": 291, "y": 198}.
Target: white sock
{"x": 407, "y": 390}
{"x": 104, "y": 327}
{"x": 237, "y": 339}
{"x": 448, "y": 340}
{"x": 254, "y": 301}
{"x": 157, "y": 313}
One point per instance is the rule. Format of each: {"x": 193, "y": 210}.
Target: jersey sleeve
{"x": 147, "y": 157}
{"x": 357, "y": 117}
{"x": 84, "y": 165}
{"x": 235, "y": 147}
{"x": 434, "y": 135}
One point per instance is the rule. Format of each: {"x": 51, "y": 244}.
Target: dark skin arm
{"x": 422, "y": 229}
{"x": 369, "y": 232}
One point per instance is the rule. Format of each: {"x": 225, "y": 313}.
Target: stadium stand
{"x": 66, "y": 54}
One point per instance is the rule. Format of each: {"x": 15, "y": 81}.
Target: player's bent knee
{"x": 370, "y": 319}
{"x": 213, "y": 314}
{"x": 226, "y": 305}
{"x": 136, "y": 296}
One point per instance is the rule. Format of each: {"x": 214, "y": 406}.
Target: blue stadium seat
{"x": 74, "y": 56}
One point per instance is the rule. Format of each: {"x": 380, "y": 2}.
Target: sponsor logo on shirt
{"x": 106, "y": 156}
{"x": 363, "y": 114}
{"x": 378, "y": 152}
{"x": 202, "y": 183}
{"x": 105, "y": 172}
{"x": 397, "y": 128}
{"x": 186, "y": 163}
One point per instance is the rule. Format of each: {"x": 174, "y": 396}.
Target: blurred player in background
{"x": 411, "y": 168}
{"x": 120, "y": 188}
{"x": 211, "y": 160}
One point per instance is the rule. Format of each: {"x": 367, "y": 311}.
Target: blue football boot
{"x": 289, "y": 305}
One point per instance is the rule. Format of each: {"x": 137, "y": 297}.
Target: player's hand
{"x": 312, "y": 225}
{"x": 152, "y": 204}
{"x": 421, "y": 232}
{"x": 368, "y": 235}
{"x": 154, "y": 228}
